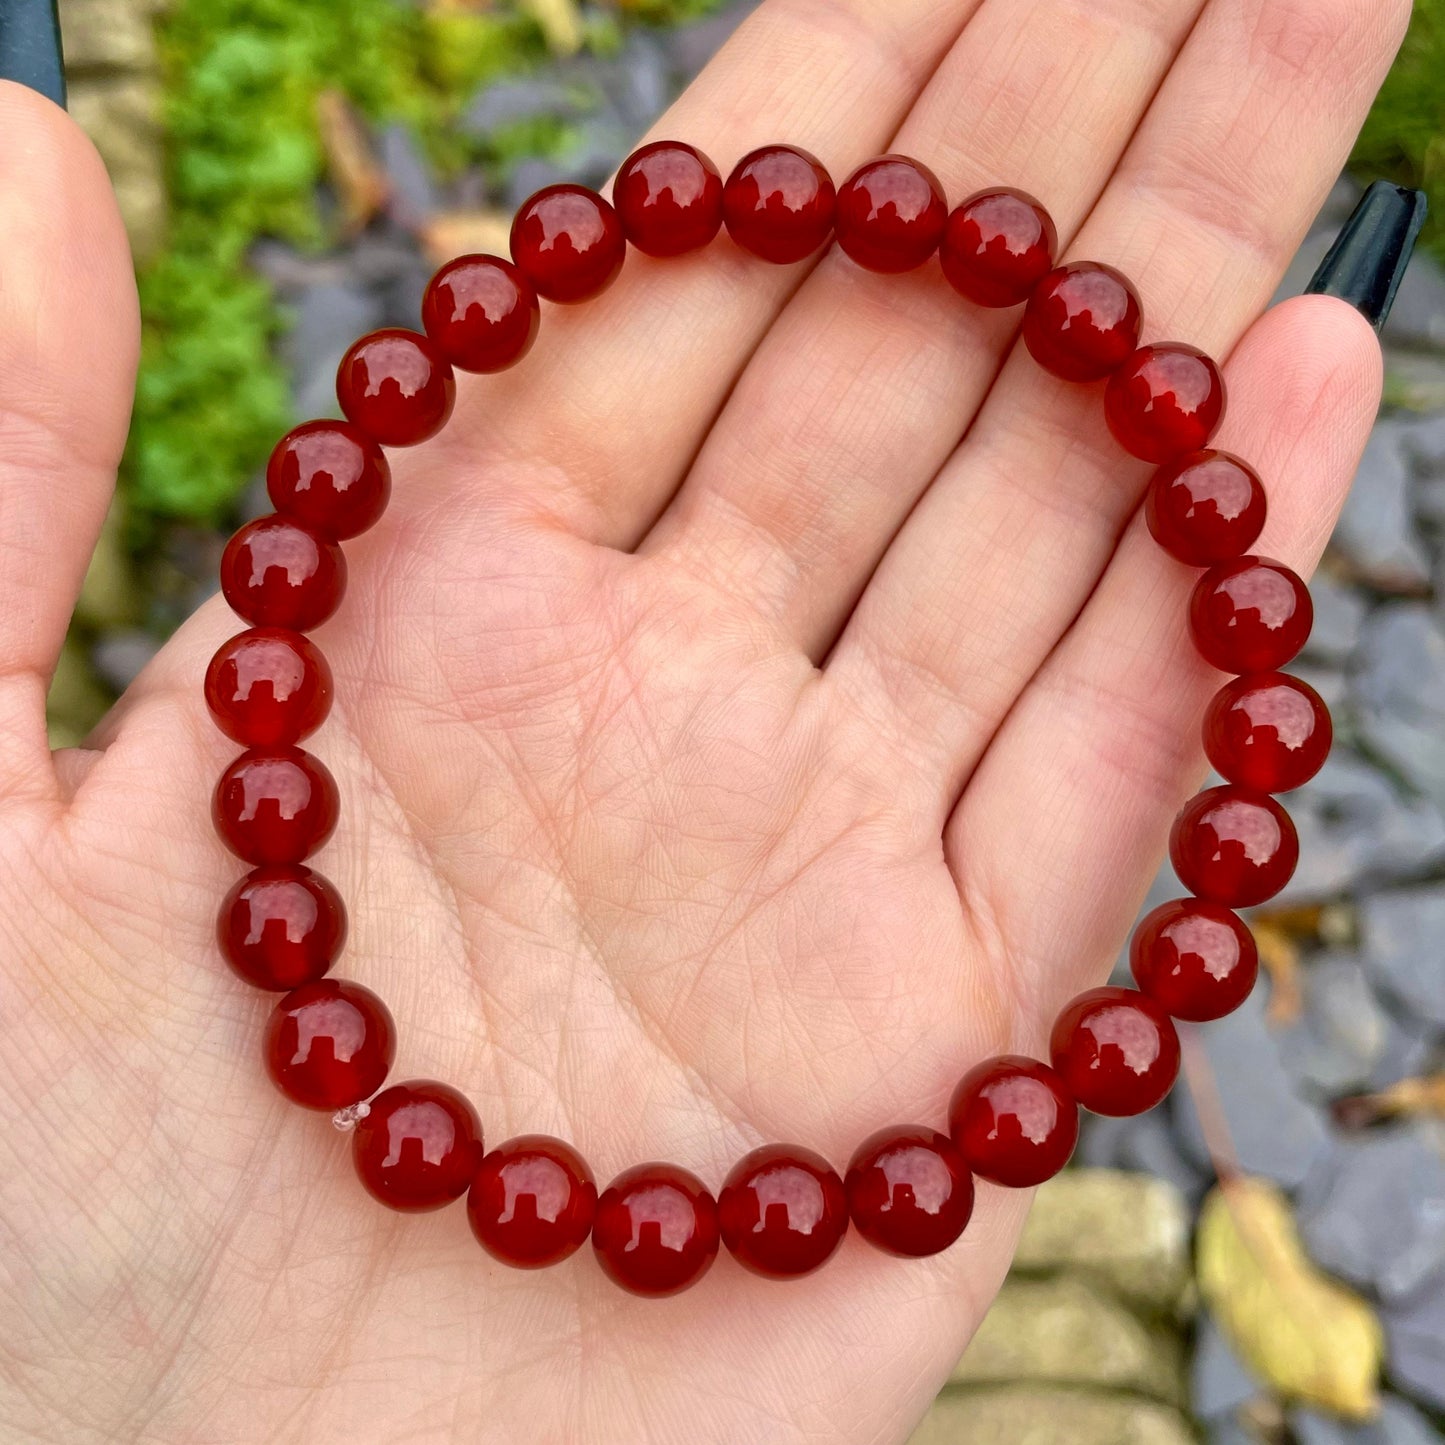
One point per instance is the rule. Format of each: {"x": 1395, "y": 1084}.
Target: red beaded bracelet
{"x": 783, "y": 1210}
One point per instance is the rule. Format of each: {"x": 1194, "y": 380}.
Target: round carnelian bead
{"x": 890, "y": 214}
{"x": 1250, "y": 615}
{"x": 281, "y": 927}
{"x": 568, "y": 242}
{"x": 656, "y": 1231}
{"x": 1116, "y": 1051}
{"x": 1082, "y": 321}
{"x": 779, "y": 204}
{"x": 782, "y": 1211}
{"x": 1268, "y": 731}
{"x": 1014, "y": 1121}
{"x": 1205, "y": 507}
{"x": 268, "y": 686}
{"x": 1233, "y": 846}
{"x": 418, "y": 1146}
{"x": 329, "y": 1044}
{"x": 277, "y": 573}
{"x": 396, "y": 386}
{"x": 1196, "y": 960}
{"x": 997, "y": 246}
{"x": 481, "y": 313}
{"x": 329, "y": 476}
{"x": 909, "y": 1191}
{"x": 669, "y": 197}
{"x": 1167, "y": 399}
{"x": 275, "y": 805}
{"x": 532, "y": 1202}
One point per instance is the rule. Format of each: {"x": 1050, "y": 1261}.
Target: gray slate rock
{"x": 1144, "y": 1144}
{"x": 1273, "y": 1130}
{"x": 1402, "y": 938}
{"x": 1332, "y": 686}
{"x": 1356, "y": 828}
{"x": 1418, "y": 317}
{"x": 508, "y": 101}
{"x": 1398, "y": 1423}
{"x": 1373, "y": 1212}
{"x": 1398, "y": 686}
{"x": 118, "y": 657}
{"x": 1339, "y": 614}
{"x": 1219, "y": 1383}
{"x": 1410, "y": 1050}
{"x": 1425, "y": 443}
{"x": 1341, "y": 1034}
{"x": 1376, "y": 532}
{"x": 414, "y": 195}
{"x": 639, "y": 85}
{"x": 327, "y": 318}
{"x": 692, "y": 46}
{"x": 1415, "y": 1344}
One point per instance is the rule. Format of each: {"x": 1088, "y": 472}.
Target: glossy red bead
{"x": 282, "y": 926}
{"x": 909, "y": 1191}
{"x": 277, "y": 573}
{"x": 1082, "y": 321}
{"x": 1116, "y": 1051}
{"x": 396, "y": 386}
{"x": 268, "y": 686}
{"x": 1196, "y": 960}
{"x": 997, "y": 246}
{"x": 1205, "y": 507}
{"x": 779, "y": 204}
{"x": 418, "y": 1146}
{"x": 1013, "y": 1121}
{"x": 782, "y": 1211}
{"x": 1269, "y": 731}
{"x": 532, "y": 1202}
{"x": 329, "y": 1044}
{"x": 1165, "y": 401}
{"x": 1250, "y": 615}
{"x": 890, "y": 214}
{"x": 568, "y": 242}
{"x": 656, "y": 1231}
{"x": 669, "y": 198}
{"x": 1233, "y": 846}
{"x": 275, "y": 805}
{"x": 331, "y": 477}
{"x": 481, "y": 313}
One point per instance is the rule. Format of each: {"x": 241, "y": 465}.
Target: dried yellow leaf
{"x": 561, "y": 23}
{"x": 1301, "y": 1332}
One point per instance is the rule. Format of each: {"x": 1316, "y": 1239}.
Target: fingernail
{"x": 30, "y": 46}
{"x": 1368, "y": 260}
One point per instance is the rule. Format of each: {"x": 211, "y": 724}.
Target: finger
{"x": 597, "y": 427}
{"x": 1076, "y": 794}
{"x": 863, "y": 388}
{"x": 68, "y": 337}
{"x": 1237, "y": 153}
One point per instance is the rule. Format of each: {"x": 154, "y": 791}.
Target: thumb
{"x": 69, "y": 332}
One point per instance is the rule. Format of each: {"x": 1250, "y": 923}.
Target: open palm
{"x": 753, "y": 710}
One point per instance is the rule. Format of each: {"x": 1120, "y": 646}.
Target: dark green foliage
{"x": 1404, "y": 138}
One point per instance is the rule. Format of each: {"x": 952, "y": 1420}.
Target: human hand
{"x": 753, "y": 710}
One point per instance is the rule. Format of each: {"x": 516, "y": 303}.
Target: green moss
{"x": 1404, "y": 137}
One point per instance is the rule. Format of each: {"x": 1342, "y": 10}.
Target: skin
{"x": 753, "y": 711}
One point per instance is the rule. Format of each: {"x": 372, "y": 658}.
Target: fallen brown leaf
{"x": 361, "y": 184}
{"x": 1409, "y": 1099}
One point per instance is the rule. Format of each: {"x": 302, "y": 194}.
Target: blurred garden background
{"x": 1260, "y": 1260}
